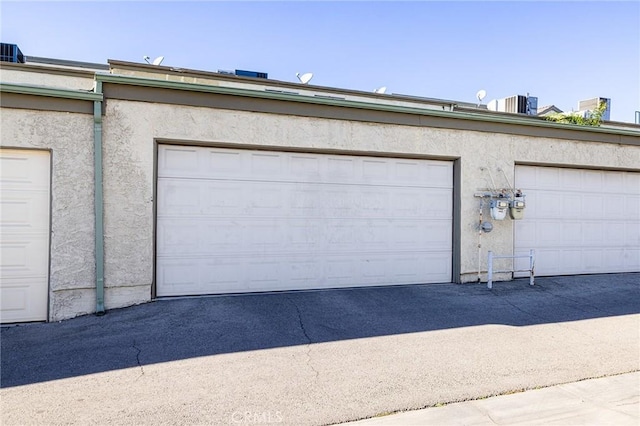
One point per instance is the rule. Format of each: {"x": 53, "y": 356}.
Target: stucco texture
{"x": 131, "y": 128}
{"x": 39, "y": 78}
{"x": 69, "y": 137}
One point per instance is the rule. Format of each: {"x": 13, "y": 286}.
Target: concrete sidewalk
{"x": 613, "y": 400}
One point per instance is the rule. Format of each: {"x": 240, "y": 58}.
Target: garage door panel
{"x": 301, "y": 168}
{"x": 279, "y": 220}
{"x": 593, "y": 260}
{"x": 570, "y": 179}
{"x": 594, "y": 229}
{"x": 24, "y": 235}
{"x": 526, "y": 235}
{"x": 616, "y": 231}
{"x": 631, "y": 183}
{"x": 180, "y": 161}
{"x": 614, "y": 258}
{"x": 17, "y": 258}
{"x": 249, "y": 236}
{"x": 615, "y": 179}
{"x": 265, "y": 165}
{"x": 196, "y": 276}
{"x": 592, "y": 179}
{"x": 229, "y": 164}
{"x": 570, "y": 206}
{"x": 614, "y": 206}
{"x": 22, "y": 209}
{"x": 594, "y": 235}
{"x": 593, "y": 206}
{"x": 14, "y": 298}
{"x": 631, "y": 259}
{"x": 178, "y": 197}
{"x": 547, "y": 232}
{"x": 631, "y": 207}
{"x": 571, "y": 232}
{"x": 632, "y": 234}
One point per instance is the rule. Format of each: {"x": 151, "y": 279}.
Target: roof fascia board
{"x": 184, "y": 72}
{"x": 25, "y": 89}
{"x": 47, "y": 69}
{"x": 66, "y": 63}
{"x": 174, "y": 85}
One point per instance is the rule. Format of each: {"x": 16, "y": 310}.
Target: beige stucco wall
{"x": 131, "y": 127}
{"x": 129, "y": 131}
{"x": 69, "y": 137}
{"x": 39, "y": 78}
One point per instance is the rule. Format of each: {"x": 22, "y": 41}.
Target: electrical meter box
{"x": 499, "y": 209}
{"x": 516, "y": 209}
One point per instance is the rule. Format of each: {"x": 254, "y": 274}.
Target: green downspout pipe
{"x": 98, "y": 199}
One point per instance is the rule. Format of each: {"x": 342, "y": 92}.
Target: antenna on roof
{"x": 304, "y": 78}
{"x": 481, "y": 95}
{"x": 156, "y": 61}
{"x": 380, "y": 90}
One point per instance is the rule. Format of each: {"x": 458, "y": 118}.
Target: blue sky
{"x": 561, "y": 52}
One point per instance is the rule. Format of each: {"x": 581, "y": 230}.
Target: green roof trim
{"x": 25, "y": 89}
{"x": 176, "y": 85}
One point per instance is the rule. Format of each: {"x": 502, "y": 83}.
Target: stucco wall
{"x": 69, "y": 137}
{"x": 129, "y": 131}
{"x": 39, "y": 78}
{"x": 131, "y": 127}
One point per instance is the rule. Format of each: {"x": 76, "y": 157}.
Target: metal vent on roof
{"x": 255, "y": 74}
{"x": 517, "y": 104}
{"x": 593, "y": 104}
{"x": 11, "y": 53}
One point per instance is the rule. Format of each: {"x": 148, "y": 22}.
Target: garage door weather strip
{"x": 98, "y": 200}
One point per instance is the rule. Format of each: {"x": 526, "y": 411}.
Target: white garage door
{"x": 242, "y": 221}
{"x": 24, "y": 235}
{"x": 580, "y": 221}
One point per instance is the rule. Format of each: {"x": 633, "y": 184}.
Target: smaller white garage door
{"x": 579, "y": 221}
{"x": 243, "y": 221}
{"x": 24, "y": 235}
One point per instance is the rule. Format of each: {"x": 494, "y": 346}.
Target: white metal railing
{"x": 530, "y": 270}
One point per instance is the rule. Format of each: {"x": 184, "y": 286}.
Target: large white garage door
{"x": 242, "y": 221}
{"x": 580, "y": 221}
{"x": 24, "y": 235}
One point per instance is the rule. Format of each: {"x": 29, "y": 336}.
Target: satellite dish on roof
{"x": 304, "y": 78}
{"x": 156, "y": 61}
{"x": 481, "y": 95}
{"x": 381, "y": 90}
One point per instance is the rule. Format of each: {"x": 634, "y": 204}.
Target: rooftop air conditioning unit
{"x": 592, "y": 104}
{"x": 254, "y": 74}
{"x": 517, "y": 104}
{"x": 11, "y": 53}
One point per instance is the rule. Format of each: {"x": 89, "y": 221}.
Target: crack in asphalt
{"x": 138, "y": 357}
{"x": 306, "y": 335}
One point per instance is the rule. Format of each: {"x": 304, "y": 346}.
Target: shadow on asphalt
{"x": 168, "y": 330}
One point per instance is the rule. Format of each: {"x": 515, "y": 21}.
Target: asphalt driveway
{"x": 318, "y": 357}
